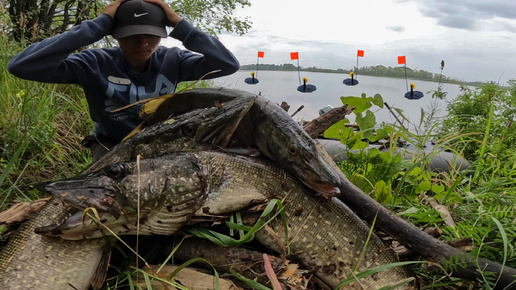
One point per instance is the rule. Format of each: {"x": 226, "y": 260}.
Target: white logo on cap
{"x": 140, "y": 15}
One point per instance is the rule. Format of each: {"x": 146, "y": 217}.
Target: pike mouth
{"x": 78, "y": 226}
{"x": 83, "y": 193}
{"x": 325, "y": 189}
{"x": 87, "y": 225}
{"x": 101, "y": 203}
{"x": 99, "y": 198}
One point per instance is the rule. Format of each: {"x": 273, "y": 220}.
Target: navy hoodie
{"x": 108, "y": 81}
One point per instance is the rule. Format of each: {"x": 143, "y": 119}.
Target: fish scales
{"x": 324, "y": 234}
{"x": 72, "y": 264}
{"x": 167, "y": 209}
{"x": 197, "y": 129}
{"x": 32, "y": 261}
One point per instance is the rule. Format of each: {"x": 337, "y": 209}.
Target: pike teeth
{"x": 46, "y": 229}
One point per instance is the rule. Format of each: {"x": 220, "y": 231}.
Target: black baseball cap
{"x": 139, "y": 17}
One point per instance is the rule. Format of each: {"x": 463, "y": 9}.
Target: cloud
{"x": 466, "y": 14}
{"x": 475, "y": 38}
{"x": 509, "y": 27}
{"x": 395, "y": 28}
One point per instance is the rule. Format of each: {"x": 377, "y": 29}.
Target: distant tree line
{"x": 378, "y": 70}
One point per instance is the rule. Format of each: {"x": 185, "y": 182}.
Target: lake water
{"x": 281, "y": 86}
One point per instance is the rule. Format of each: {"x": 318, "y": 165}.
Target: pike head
{"x": 152, "y": 196}
{"x": 281, "y": 139}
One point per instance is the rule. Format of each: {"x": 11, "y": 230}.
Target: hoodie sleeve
{"x": 51, "y": 61}
{"x": 210, "y": 54}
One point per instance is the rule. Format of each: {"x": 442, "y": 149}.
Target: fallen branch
{"x": 419, "y": 241}
{"x": 415, "y": 239}
{"x": 404, "y": 232}
{"x": 21, "y": 212}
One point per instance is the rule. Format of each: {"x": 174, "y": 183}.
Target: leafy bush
{"x": 481, "y": 199}
{"x": 488, "y": 106}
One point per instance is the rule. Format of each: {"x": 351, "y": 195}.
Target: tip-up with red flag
{"x": 304, "y": 88}
{"x": 353, "y": 81}
{"x": 253, "y": 80}
{"x": 401, "y": 59}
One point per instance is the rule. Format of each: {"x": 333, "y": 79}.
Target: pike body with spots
{"x": 267, "y": 128}
{"x": 324, "y": 234}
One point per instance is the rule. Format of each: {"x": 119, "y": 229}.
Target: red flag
{"x": 401, "y": 59}
{"x": 260, "y": 53}
{"x": 294, "y": 55}
{"x": 360, "y": 53}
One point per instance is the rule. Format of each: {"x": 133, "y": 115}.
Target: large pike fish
{"x": 33, "y": 261}
{"x": 267, "y": 128}
{"x": 324, "y": 234}
{"x": 201, "y": 128}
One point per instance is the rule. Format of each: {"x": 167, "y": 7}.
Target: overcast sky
{"x": 475, "y": 38}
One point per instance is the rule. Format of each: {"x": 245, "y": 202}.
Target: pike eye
{"x": 292, "y": 151}
{"x": 188, "y": 130}
{"x": 117, "y": 171}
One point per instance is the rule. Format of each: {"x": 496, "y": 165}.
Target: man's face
{"x": 138, "y": 47}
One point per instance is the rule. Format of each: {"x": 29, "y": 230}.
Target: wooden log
{"x": 409, "y": 235}
{"x": 413, "y": 238}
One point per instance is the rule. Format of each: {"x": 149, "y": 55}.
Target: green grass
{"x": 482, "y": 203}
{"x": 41, "y": 126}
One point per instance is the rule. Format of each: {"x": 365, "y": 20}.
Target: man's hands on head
{"x": 172, "y": 17}
{"x": 111, "y": 8}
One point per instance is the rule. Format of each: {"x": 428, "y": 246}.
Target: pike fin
{"x": 134, "y": 132}
{"x": 101, "y": 272}
{"x": 152, "y": 106}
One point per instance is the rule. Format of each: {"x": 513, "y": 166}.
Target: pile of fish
{"x": 222, "y": 151}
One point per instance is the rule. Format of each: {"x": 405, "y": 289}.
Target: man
{"x": 138, "y": 69}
